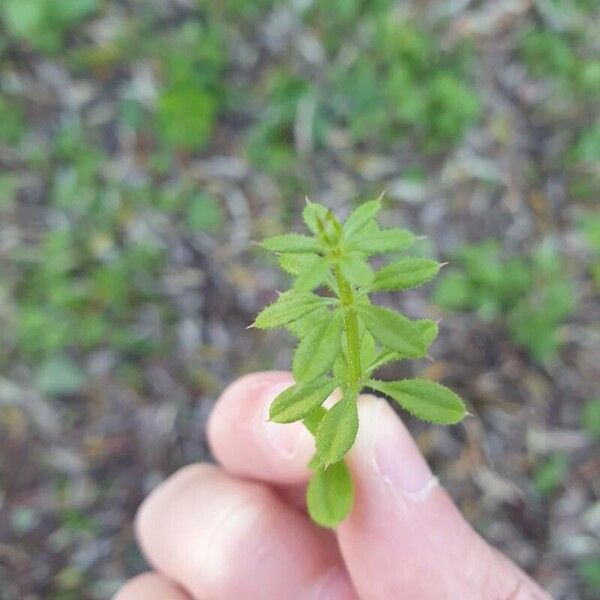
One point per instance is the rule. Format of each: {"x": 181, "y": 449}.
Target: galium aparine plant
{"x": 343, "y": 339}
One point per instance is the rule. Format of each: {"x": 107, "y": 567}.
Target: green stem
{"x": 351, "y": 321}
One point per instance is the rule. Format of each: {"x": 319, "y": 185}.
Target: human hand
{"x": 238, "y": 531}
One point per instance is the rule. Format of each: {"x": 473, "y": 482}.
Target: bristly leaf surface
{"x": 330, "y": 494}
{"x": 291, "y": 243}
{"x": 394, "y": 331}
{"x": 299, "y": 400}
{"x": 290, "y": 305}
{"x": 381, "y": 241}
{"x": 405, "y": 273}
{"x": 363, "y": 215}
{"x": 424, "y": 399}
{"x": 318, "y": 349}
{"x": 337, "y": 431}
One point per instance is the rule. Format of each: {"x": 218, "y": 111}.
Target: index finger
{"x": 247, "y": 444}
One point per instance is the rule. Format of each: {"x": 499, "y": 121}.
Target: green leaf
{"x": 368, "y": 351}
{"x": 314, "y": 216}
{"x": 424, "y": 399}
{"x": 312, "y": 420}
{"x": 312, "y": 276}
{"x": 428, "y": 329}
{"x": 318, "y": 349}
{"x": 340, "y": 369}
{"x": 384, "y": 358}
{"x": 290, "y": 242}
{"x": 356, "y": 270}
{"x": 303, "y": 324}
{"x": 405, "y": 273}
{"x": 300, "y": 400}
{"x": 294, "y": 264}
{"x": 379, "y": 242}
{"x": 363, "y": 215}
{"x": 186, "y": 116}
{"x": 337, "y": 431}
{"x": 394, "y": 331}
{"x": 330, "y": 495}
{"x": 290, "y": 305}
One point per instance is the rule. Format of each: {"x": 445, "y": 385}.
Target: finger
{"x": 222, "y": 538}
{"x": 405, "y": 534}
{"x": 245, "y": 443}
{"x": 150, "y": 586}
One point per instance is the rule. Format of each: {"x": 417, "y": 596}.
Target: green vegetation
{"x": 344, "y": 339}
{"x": 550, "y": 474}
{"x": 44, "y": 24}
{"x": 531, "y": 296}
{"x": 561, "y": 56}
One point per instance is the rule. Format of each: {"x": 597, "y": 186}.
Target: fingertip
{"x": 237, "y": 400}
{"x": 246, "y": 443}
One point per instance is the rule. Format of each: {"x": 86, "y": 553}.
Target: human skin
{"x": 239, "y": 530}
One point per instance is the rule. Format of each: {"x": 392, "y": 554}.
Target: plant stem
{"x": 351, "y": 321}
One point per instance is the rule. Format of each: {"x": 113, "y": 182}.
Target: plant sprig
{"x": 344, "y": 339}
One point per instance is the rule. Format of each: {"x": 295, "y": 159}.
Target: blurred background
{"x": 144, "y": 146}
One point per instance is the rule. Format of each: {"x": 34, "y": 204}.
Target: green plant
{"x": 550, "y": 474}
{"x": 43, "y": 24}
{"x": 188, "y": 106}
{"x": 589, "y": 571}
{"x": 343, "y": 339}
{"x": 404, "y": 83}
{"x": 532, "y": 296}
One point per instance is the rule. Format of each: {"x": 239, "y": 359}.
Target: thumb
{"x": 405, "y": 537}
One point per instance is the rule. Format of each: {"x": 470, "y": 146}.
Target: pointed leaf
{"x": 337, "y": 430}
{"x": 287, "y": 308}
{"x": 312, "y": 276}
{"x": 318, "y": 349}
{"x": 296, "y": 263}
{"x": 394, "y": 331}
{"x": 314, "y": 216}
{"x": 428, "y": 329}
{"x": 405, "y": 273}
{"x": 291, "y": 243}
{"x": 356, "y": 270}
{"x": 304, "y": 324}
{"x": 300, "y": 400}
{"x": 368, "y": 352}
{"x": 330, "y": 495}
{"x": 424, "y": 399}
{"x": 312, "y": 420}
{"x": 363, "y": 215}
{"x": 385, "y": 357}
{"x": 385, "y": 240}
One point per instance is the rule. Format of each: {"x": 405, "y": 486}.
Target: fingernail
{"x": 396, "y": 455}
{"x": 285, "y": 438}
